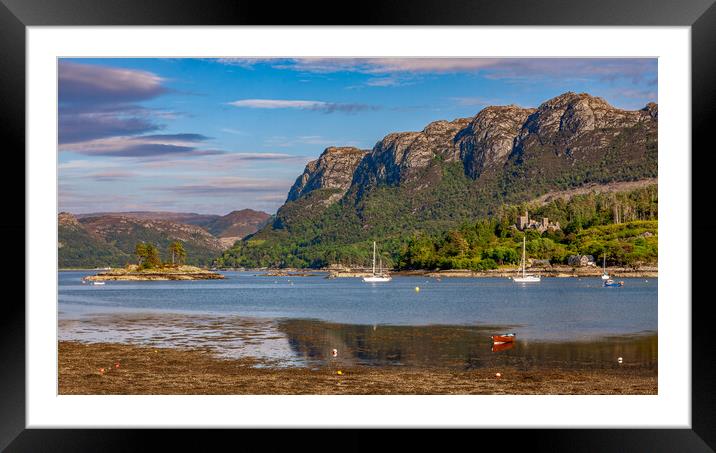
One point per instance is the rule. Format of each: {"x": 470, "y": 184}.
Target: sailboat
{"x": 379, "y": 276}
{"x": 526, "y": 278}
{"x": 605, "y": 276}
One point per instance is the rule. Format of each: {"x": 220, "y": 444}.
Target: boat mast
{"x": 524, "y": 260}
{"x": 373, "y": 257}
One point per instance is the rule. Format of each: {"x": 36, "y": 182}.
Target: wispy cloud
{"x": 229, "y": 186}
{"x": 229, "y": 130}
{"x": 81, "y": 126}
{"x": 236, "y": 157}
{"x": 277, "y": 104}
{"x": 106, "y": 176}
{"x": 93, "y": 84}
{"x": 631, "y": 98}
{"x": 496, "y": 68}
{"x": 635, "y": 93}
{"x": 142, "y": 146}
{"x": 321, "y": 106}
{"x": 318, "y": 140}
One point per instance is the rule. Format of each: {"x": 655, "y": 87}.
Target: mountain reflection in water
{"x": 463, "y": 347}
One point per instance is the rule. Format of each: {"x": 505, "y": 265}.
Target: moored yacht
{"x": 380, "y": 276}
{"x": 526, "y": 278}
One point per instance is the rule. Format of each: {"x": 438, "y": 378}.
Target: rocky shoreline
{"x": 553, "y": 271}
{"x": 133, "y": 273}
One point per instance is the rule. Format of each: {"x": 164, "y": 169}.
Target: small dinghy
{"x": 610, "y": 283}
{"x": 98, "y": 283}
{"x": 498, "y": 347}
{"x": 503, "y": 338}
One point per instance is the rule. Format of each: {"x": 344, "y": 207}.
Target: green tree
{"x": 140, "y": 250}
{"x": 152, "y": 260}
{"x": 177, "y": 252}
{"x": 147, "y": 255}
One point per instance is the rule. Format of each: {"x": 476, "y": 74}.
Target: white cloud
{"x": 278, "y": 104}
{"x": 325, "y": 107}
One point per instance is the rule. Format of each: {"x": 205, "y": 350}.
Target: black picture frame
{"x": 16, "y": 15}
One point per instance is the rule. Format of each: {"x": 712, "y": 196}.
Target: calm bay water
{"x": 299, "y": 320}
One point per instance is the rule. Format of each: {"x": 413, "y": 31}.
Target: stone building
{"x": 524, "y": 223}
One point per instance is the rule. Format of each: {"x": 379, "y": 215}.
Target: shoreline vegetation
{"x": 121, "y": 369}
{"x": 552, "y": 271}
{"x": 196, "y": 273}
{"x": 555, "y": 271}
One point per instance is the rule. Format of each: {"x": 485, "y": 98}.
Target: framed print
{"x": 425, "y": 220}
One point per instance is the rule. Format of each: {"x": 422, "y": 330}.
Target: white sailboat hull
{"x": 375, "y": 279}
{"x": 527, "y": 279}
{"x": 605, "y": 277}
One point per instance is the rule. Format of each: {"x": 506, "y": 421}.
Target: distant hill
{"x": 234, "y": 225}
{"x": 177, "y": 217}
{"x": 108, "y": 239}
{"x": 78, "y": 247}
{"x": 449, "y": 173}
{"x": 237, "y": 225}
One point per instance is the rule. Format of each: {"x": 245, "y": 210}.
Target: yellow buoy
{"x": 417, "y": 289}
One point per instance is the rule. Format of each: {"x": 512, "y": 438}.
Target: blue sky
{"x": 214, "y": 135}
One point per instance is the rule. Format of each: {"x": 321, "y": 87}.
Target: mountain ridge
{"x": 453, "y": 171}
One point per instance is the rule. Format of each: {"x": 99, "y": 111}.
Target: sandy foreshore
{"x": 113, "y": 368}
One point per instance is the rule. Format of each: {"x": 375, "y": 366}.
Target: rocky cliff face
{"x": 506, "y": 153}
{"x": 567, "y": 124}
{"x": 489, "y": 138}
{"x": 332, "y": 170}
{"x": 570, "y": 116}
{"x": 402, "y": 157}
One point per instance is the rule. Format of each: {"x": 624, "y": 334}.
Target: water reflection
{"x": 304, "y": 342}
{"x": 463, "y": 347}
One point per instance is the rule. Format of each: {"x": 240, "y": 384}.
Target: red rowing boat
{"x": 497, "y": 347}
{"x": 504, "y": 338}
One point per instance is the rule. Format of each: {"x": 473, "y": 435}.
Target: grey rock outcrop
{"x": 563, "y": 133}
{"x": 399, "y": 157}
{"x": 489, "y": 138}
{"x": 332, "y": 170}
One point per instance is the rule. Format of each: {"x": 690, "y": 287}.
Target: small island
{"x": 133, "y": 272}
{"x": 150, "y": 267}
